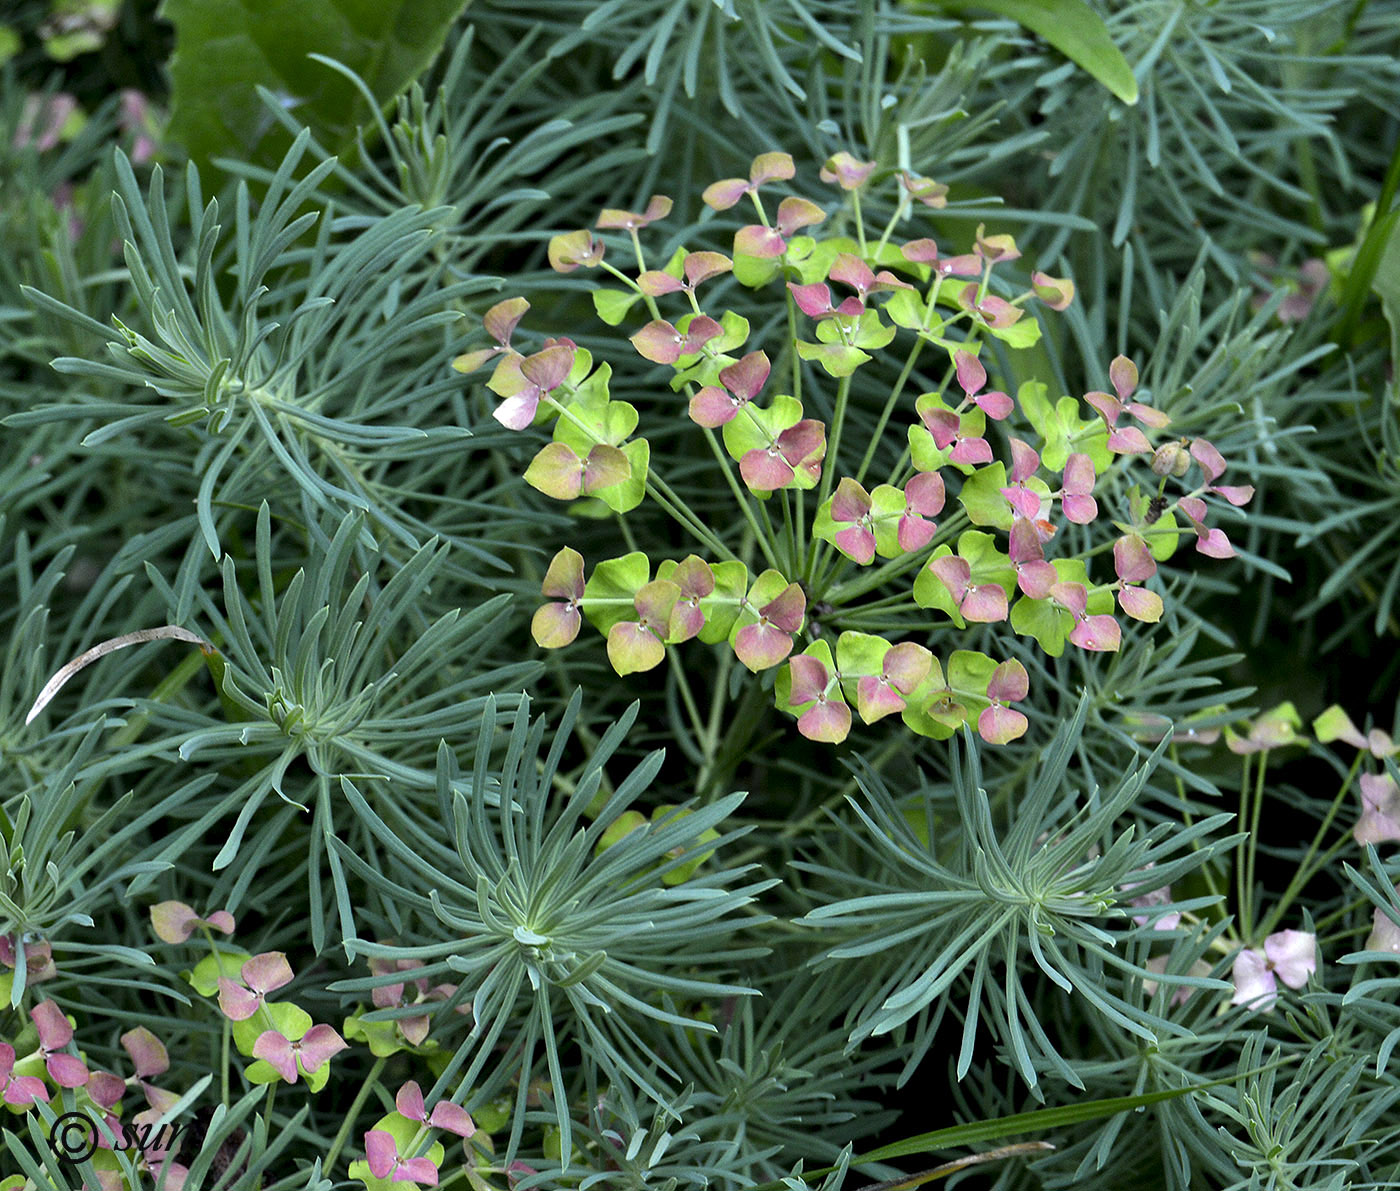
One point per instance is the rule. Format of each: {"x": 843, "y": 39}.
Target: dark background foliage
{"x": 143, "y": 487}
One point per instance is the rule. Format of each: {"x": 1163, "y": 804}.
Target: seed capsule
{"x": 1171, "y": 459}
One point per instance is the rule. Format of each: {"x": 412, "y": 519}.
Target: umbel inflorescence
{"x": 972, "y": 509}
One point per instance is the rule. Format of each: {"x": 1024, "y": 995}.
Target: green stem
{"x": 680, "y": 511}
{"x": 843, "y": 593}
{"x": 621, "y": 276}
{"x": 637, "y": 249}
{"x": 267, "y": 1119}
{"x": 866, "y": 618}
{"x": 223, "y": 1059}
{"x": 790, "y": 531}
{"x": 1327, "y": 920}
{"x": 770, "y": 535}
{"x": 688, "y": 698}
{"x": 1187, "y": 820}
{"x": 901, "y": 206}
{"x": 718, "y": 697}
{"x": 742, "y": 725}
{"x": 626, "y": 531}
{"x": 1307, "y": 867}
{"x": 792, "y": 345}
{"x": 1241, "y": 897}
{"x": 553, "y": 659}
{"x": 903, "y": 470}
{"x": 838, "y": 418}
{"x": 346, "y": 1125}
{"x": 740, "y": 497}
{"x": 1254, "y": 829}
{"x": 800, "y": 538}
{"x": 886, "y": 413}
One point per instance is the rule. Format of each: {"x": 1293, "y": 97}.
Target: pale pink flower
{"x": 1288, "y": 955}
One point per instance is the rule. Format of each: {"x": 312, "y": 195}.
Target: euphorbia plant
{"x": 976, "y": 532}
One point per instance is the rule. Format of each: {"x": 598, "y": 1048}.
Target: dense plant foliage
{"x": 969, "y": 434}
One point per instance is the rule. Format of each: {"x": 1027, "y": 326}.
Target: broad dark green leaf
{"x": 225, "y": 49}
{"x": 1076, "y": 30}
{"x": 1386, "y": 283}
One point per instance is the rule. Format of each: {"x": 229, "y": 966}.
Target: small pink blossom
{"x": 851, "y": 270}
{"x": 20, "y": 1091}
{"x": 1075, "y": 488}
{"x": 55, "y": 1033}
{"x": 924, "y": 190}
{"x": 570, "y": 250}
{"x": 965, "y": 265}
{"x": 947, "y": 430}
{"x": 136, "y": 119}
{"x": 990, "y": 310}
{"x": 802, "y": 446}
{"x": 261, "y": 975}
{"x": 739, "y": 383}
{"x": 1385, "y": 934}
{"x": 829, "y": 718}
{"x": 1275, "y": 728}
{"x": 1158, "y": 964}
{"x": 1380, "y": 810}
{"x": 1100, "y": 633}
{"x": 446, "y": 1115}
{"x": 1155, "y": 897}
{"x": 1213, "y": 466}
{"x": 1056, "y": 292}
{"x": 998, "y": 723}
{"x": 925, "y": 252}
{"x": 105, "y": 1089}
{"x": 793, "y": 215}
{"x": 924, "y": 495}
{"x": 1129, "y": 440}
{"x": 309, "y": 1052}
{"x": 995, "y": 248}
{"x": 814, "y": 301}
{"x": 500, "y": 323}
{"x": 905, "y": 666}
{"x": 658, "y": 207}
{"x": 662, "y": 343}
{"x": 382, "y": 1152}
{"x": 766, "y": 167}
{"x": 1335, "y": 724}
{"x": 639, "y": 645}
{"x": 1304, "y": 286}
{"x": 846, "y": 171}
{"x": 525, "y": 380}
{"x": 850, "y": 507}
{"x": 1024, "y": 462}
{"x": 984, "y": 603}
{"x": 1134, "y": 565}
{"x": 38, "y": 959}
{"x": 1034, "y": 576}
{"x": 392, "y": 996}
{"x": 972, "y": 377}
{"x": 768, "y": 641}
{"x": 1288, "y": 955}
{"x": 43, "y": 120}
{"x": 175, "y": 922}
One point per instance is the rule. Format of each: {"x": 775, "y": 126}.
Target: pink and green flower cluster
{"x": 976, "y": 530}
